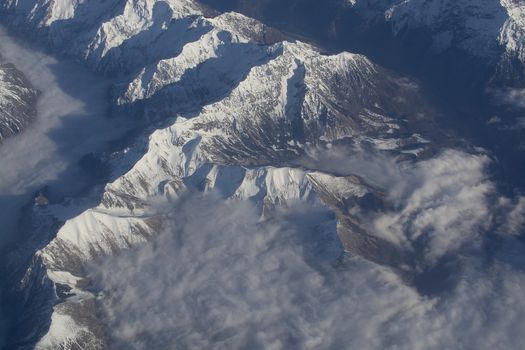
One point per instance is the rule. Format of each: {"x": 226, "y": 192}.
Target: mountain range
{"x": 240, "y": 99}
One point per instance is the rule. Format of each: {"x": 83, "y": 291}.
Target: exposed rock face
{"x": 17, "y": 100}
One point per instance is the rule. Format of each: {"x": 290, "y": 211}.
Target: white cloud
{"x": 218, "y": 277}
{"x": 509, "y": 96}
{"x": 513, "y": 222}
{"x": 71, "y": 122}
{"x": 441, "y": 204}
{"x": 378, "y": 169}
{"x": 434, "y": 206}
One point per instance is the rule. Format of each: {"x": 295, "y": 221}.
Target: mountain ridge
{"x": 17, "y": 101}
{"x": 226, "y": 108}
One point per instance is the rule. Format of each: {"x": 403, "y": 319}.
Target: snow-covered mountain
{"x": 493, "y": 30}
{"x": 445, "y": 35}
{"x": 227, "y": 107}
{"x": 17, "y": 100}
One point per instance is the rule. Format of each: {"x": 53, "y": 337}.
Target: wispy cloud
{"x": 441, "y": 204}
{"x": 71, "y": 122}
{"x": 71, "y": 118}
{"x": 510, "y": 96}
{"x": 219, "y": 277}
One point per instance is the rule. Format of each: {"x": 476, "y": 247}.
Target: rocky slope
{"x": 227, "y": 108}
{"x": 17, "y": 101}
{"x": 491, "y": 30}
{"x": 487, "y": 33}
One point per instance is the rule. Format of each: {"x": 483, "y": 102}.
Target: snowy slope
{"x": 17, "y": 101}
{"x": 471, "y": 25}
{"x": 493, "y": 30}
{"x": 237, "y": 112}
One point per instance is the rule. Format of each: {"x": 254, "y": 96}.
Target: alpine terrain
{"x": 266, "y": 188}
{"x": 17, "y": 98}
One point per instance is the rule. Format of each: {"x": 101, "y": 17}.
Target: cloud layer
{"x": 441, "y": 204}
{"x": 219, "y": 277}
{"x": 71, "y": 122}
{"x": 434, "y": 207}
